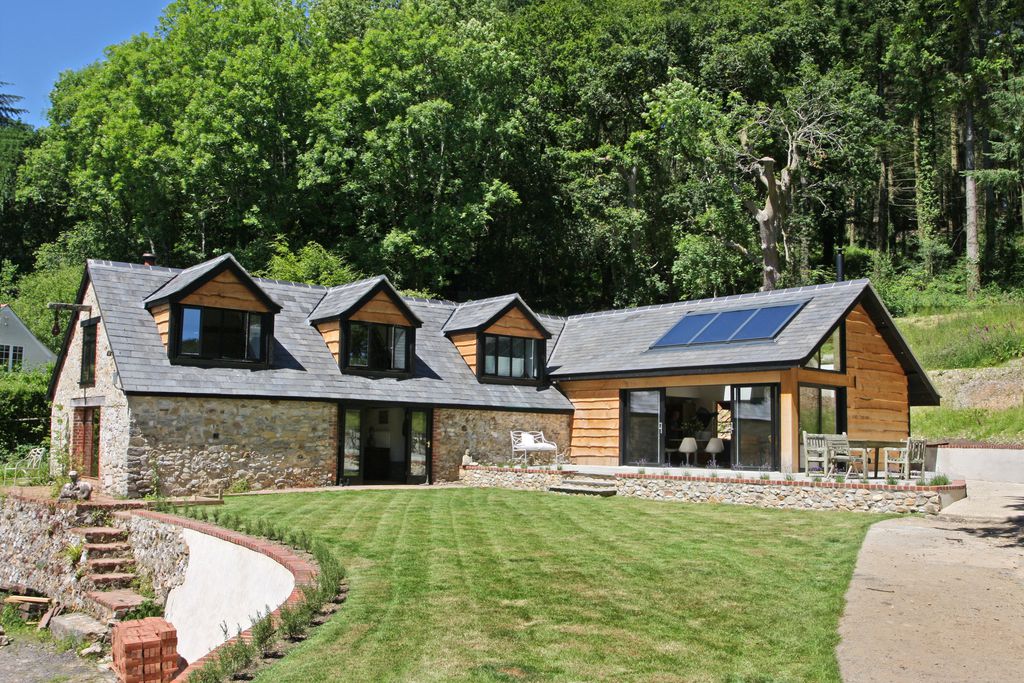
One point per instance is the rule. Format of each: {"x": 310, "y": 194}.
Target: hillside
{"x": 975, "y": 358}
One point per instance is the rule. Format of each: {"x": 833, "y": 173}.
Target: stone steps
{"x": 590, "y": 482}
{"x": 603, "y": 490}
{"x": 116, "y": 602}
{"x": 101, "y": 550}
{"x": 111, "y": 565}
{"x": 111, "y": 579}
{"x": 101, "y": 534}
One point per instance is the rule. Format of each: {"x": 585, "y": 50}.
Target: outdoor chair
{"x": 840, "y": 452}
{"x": 908, "y": 456}
{"x": 816, "y": 451}
{"x": 30, "y": 464}
{"x": 524, "y": 443}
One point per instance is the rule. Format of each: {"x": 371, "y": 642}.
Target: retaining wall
{"x": 801, "y": 495}
{"x": 981, "y": 462}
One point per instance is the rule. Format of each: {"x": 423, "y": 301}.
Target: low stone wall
{"x": 36, "y": 539}
{"x": 204, "y": 445}
{"x": 160, "y": 551}
{"x": 800, "y": 495}
{"x": 485, "y": 434}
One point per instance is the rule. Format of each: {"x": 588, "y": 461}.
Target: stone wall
{"x": 106, "y": 393}
{"x": 35, "y": 540}
{"x": 485, "y": 434}
{"x": 159, "y": 549}
{"x": 880, "y": 498}
{"x": 188, "y": 445}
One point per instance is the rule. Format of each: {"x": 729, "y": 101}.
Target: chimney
{"x": 148, "y": 259}
{"x": 840, "y": 265}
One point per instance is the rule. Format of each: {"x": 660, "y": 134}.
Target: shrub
{"x": 237, "y": 655}
{"x": 239, "y": 486}
{"x": 293, "y": 621}
{"x": 939, "y": 480}
{"x": 262, "y": 631}
{"x": 24, "y": 411}
{"x": 211, "y": 672}
{"x": 148, "y": 608}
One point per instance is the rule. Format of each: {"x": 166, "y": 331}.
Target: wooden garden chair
{"x": 908, "y": 456}
{"x": 816, "y": 450}
{"x": 840, "y": 452}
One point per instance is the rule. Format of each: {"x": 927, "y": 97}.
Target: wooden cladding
{"x": 878, "y": 404}
{"x": 330, "y": 330}
{"x": 465, "y": 342}
{"x": 162, "y": 316}
{"x": 515, "y": 324}
{"x": 381, "y": 309}
{"x": 595, "y": 424}
{"x": 226, "y": 290}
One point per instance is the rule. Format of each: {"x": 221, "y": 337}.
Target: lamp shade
{"x": 715, "y": 446}
{"x": 688, "y": 445}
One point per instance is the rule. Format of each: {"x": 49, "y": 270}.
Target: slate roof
{"x": 302, "y": 368}
{"x": 584, "y": 347}
{"x": 342, "y": 299}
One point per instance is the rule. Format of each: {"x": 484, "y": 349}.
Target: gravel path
{"x": 933, "y": 600}
{"x": 25, "y": 661}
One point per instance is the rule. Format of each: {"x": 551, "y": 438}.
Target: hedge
{"x": 24, "y": 409}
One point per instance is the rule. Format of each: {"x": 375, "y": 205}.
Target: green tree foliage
{"x": 24, "y": 409}
{"x": 585, "y": 154}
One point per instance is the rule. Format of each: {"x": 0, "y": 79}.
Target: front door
{"x": 85, "y": 441}
{"x": 384, "y": 444}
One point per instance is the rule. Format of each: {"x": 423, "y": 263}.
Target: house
{"x": 19, "y": 348}
{"x": 199, "y": 379}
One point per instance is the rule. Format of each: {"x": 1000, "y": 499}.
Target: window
{"x": 221, "y": 334}
{"x": 747, "y": 324}
{"x": 5, "y": 357}
{"x": 819, "y": 410}
{"x": 379, "y": 347}
{"x": 11, "y": 357}
{"x": 17, "y": 357}
{"x": 511, "y": 357}
{"x": 829, "y": 356}
{"x": 88, "y": 374}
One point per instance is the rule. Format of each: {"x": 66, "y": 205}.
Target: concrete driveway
{"x": 940, "y": 598}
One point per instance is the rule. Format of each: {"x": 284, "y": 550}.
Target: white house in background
{"x": 19, "y": 348}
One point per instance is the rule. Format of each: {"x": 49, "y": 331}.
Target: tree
{"x": 9, "y": 113}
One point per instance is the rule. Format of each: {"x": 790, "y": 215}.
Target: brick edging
{"x": 952, "y": 486}
{"x": 303, "y": 571}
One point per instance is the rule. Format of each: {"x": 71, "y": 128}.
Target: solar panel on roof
{"x": 747, "y": 324}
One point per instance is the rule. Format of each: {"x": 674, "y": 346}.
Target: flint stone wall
{"x": 159, "y": 549}
{"x": 185, "y": 445}
{"x": 485, "y": 434}
{"x": 878, "y": 498}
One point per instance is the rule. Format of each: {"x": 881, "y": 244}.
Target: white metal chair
{"x": 30, "y": 464}
{"x": 524, "y": 443}
{"x": 908, "y": 456}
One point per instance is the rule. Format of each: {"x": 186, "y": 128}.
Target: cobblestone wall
{"x": 188, "y": 445}
{"x": 878, "y": 498}
{"x": 485, "y": 434}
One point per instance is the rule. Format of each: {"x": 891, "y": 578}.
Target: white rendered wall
{"x": 987, "y": 464}
{"x": 224, "y": 583}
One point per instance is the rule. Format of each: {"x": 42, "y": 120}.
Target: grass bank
{"x": 973, "y": 338}
{"x": 495, "y": 585}
{"x": 974, "y": 424}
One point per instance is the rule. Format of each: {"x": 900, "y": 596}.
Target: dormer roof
{"x": 344, "y": 300}
{"x": 189, "y": 280}
{"x": 478, "y": 315}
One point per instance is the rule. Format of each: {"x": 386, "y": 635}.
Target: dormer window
{"x": 510, "y": 357}
{"x": 379, "y": 347}
{"x": 222, "y": 334}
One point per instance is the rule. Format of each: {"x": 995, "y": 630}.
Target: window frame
{"x": 840, "y": 327}
{"x": 539, "y": 359}
{"x": 90, "y": 331}
{"x": 841, "y": 405}
{"x": 204, "y": 358}
{"x": 5, "y": 357}
{"x": 345, "y": 357}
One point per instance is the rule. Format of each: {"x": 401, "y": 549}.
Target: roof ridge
{"x": 728, "y": 297}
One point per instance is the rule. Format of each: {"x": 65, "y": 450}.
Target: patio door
{"x": 370, "y": 449}
{"x": 417, "y": 443}
{"x": 643, "y": 427}
{"x": 755, "y": 426}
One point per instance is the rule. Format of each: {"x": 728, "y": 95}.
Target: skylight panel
{"x": 747, "y": 324}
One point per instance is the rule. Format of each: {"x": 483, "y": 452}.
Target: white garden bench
{"x": 524, "y": 443}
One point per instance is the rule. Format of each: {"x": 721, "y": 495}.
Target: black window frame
{"x": 840, "y": 352}
{"x": 87, "y": 371}
{"x": 539, "y": 360}
{"x": 206, "y": 357}
{"x": 841, "y": 406}
{"x": 345, "y": 357}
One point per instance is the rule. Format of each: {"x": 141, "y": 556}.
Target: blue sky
{"x": 41, "y": 38}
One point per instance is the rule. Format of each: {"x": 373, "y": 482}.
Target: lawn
{"x": 971, "y": 338}
{"x": 497, "y": 585}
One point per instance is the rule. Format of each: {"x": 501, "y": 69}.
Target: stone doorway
{"x": 85, "y": 442}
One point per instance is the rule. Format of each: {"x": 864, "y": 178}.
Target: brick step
{"x": 603, "y": 491}
{"x": 111, "y": 580}
{"x": 101, "y": 534}
{"x": 116, "y": 602}
{"x": 100, "y": 550}
{"x": 110, "y": 565}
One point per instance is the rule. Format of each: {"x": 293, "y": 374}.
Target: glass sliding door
{"x": 755, "y": 427}
{"x": 351, "y": 446}
{"x": 418, "y": 443}
{"x": 642, "y": 428}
